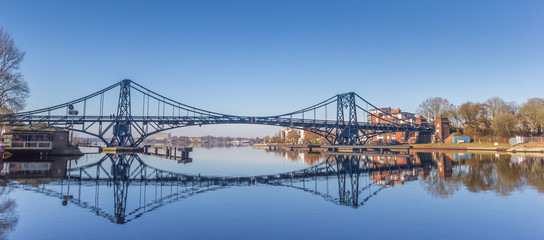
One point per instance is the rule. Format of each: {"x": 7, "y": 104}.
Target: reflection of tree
{"x": 440, "y": 187}
{"x": 8, "y": 219}
{"x": 488, "y": 173}
{"x": 534, "y": 172}
{"x": 509, "y": 177}
{"x": 479, "y": 176}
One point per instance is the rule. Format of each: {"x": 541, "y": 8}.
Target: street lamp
{"x": 72, "y": 113}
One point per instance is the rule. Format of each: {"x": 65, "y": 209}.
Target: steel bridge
{"x": 350, "y": 176}
{"x": 141, "y": 112}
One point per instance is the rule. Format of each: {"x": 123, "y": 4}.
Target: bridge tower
{"x": 122, "y": 132}
{"x": 347, "y": 127}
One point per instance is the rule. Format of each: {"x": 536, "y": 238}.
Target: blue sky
{"x": 271, "y": 57}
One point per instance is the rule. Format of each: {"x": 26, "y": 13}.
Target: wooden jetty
{"x": 177, "y": 153}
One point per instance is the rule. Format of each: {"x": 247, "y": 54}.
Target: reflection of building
{"x": 396, "y": 176}
{"x": 445, "y": 165}
{"x": 387, "y": 115}
{"x": 390, "y": 178}
{"x": 391, "y": 160}
{"x": 308, "y": 158}
{"x": 42, "y": 169}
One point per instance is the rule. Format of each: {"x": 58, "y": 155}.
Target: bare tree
{"x": 496, "y": 106}
{"x": 504, "y": 124}
{"x": 431, "y": 108}
{"x": 531, "y": 115}
{"x": 13, "y": 89}
{"x": 473, "y": 115}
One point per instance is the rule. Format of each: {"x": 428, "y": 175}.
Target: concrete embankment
{"x": 527, "y": 148}
{"x": 416, "y": 147}
{"x": 458, "y": 148}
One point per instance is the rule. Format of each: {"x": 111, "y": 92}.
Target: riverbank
{"x": 475, "y": 147}
{"x": 533, "y": 147}
{"x": 460, "y": 147}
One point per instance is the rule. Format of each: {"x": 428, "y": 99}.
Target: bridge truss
{"x": 126, "y": 113}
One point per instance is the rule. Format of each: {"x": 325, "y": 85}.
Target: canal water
{"x": 245, "y": 193}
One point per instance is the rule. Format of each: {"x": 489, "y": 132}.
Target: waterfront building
{"x": 443, "y": 129}
{"x": 39, "y": 140}
{"x": 387, "y": 115}
{"x": 38, "y": 137}
{"x": 285, "y": 131}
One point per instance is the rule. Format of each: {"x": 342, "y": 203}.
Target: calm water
{"x": 239, "y": 193}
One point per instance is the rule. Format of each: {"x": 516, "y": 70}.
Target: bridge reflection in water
{"x": 357, "y": 177}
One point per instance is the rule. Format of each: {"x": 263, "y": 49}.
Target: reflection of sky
{"x": 268, "y": 212}
{"x": 272, "y": 212}
{"x": 239, "y": 161}
{"x": 234, "y": 161}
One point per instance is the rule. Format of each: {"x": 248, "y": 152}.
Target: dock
{"x": 181, "y": 154}
{"x": 116, "y": 150}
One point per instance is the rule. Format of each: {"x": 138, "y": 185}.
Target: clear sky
{"x": 271, "y": 57}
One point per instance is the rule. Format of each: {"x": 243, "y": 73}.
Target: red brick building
{"x": 443, "y": 129}
{"x": 387, "y": 115}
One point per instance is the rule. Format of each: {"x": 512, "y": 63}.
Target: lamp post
{"x": 72, "y": 113}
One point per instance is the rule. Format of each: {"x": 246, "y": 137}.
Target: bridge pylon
{"x": 347, "y": 127}
{"x": 122, "y": 130}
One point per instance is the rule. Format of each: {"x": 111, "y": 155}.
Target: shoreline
{"x": 450, "y": 148}
{"x": 416, "y": 147}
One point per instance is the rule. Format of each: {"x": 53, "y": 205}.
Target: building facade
{"x": 38, "y": 138}
{"x": 387, "y": 115}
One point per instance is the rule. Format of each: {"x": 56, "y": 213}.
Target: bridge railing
{"x": 31, "y": 145}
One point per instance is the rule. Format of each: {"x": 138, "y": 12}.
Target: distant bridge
{"x": 130, "y": 127}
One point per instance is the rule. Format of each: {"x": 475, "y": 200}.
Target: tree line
{"x": 494, "y": 117}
